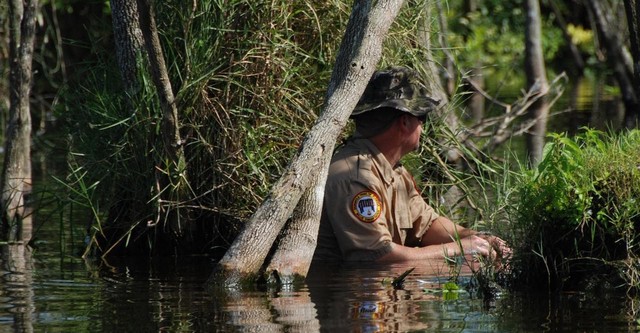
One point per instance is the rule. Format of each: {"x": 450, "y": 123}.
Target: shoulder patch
{"x": 366, "y": 206}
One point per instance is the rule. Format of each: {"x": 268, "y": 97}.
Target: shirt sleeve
{"x": 422, "y": 214}
{"x": 359, "y": 220}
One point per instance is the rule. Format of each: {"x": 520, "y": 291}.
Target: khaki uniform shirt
{"x": 368, "y": 204}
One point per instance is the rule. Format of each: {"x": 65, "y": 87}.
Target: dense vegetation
{"x": 576, "y": 216}
{"x": 249, "y": 79}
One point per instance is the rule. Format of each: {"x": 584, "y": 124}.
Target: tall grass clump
{"x": 249, "y": 78}
{"x": 577, "y": 214}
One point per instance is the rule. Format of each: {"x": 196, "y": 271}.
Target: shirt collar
{"x": 380, "y": 161}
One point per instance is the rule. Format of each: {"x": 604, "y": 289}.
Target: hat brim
{"x": 426, "y": 105}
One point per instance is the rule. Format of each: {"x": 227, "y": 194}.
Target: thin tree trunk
{"x": 449, "y": 64}
{"x": 615, "y": 55}
{"x": 172, "y": 192}
{"x": 435, "y": 88}
{"x": 16, "y": 172}
{"x": 536, "y": 81}
{"x": 476, "y": 102}
{"x": 632, "y": 8}
{"x": 139, "y": 52}
{"x": 359, "y": 54}
{"x": 447, "y": 152}
{"x": 170, "y": 127}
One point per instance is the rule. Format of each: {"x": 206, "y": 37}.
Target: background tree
{"x": 140, "y": 55}
{"x": 536, "y": 81}
{"x": 632, "y": 9}
{"x": 616, "y": 56}
{"x": 16, "y": 171}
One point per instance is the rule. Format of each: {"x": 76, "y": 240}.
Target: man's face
{"x": 414, "y": 127}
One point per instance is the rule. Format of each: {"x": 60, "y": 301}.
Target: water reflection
{"x": 42, "y": 293}
{"x": 268, "y": 311}
{"x": 355, "y": 299}
{"x": 17, "y": 287}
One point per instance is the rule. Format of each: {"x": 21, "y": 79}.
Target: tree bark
{"x": 129, "y": 43}
{"x": 536, "y": 81}
{"x": 139, "y": 53}
{"x": 615, "y": 56}
{"x": 170, "y": 128}
{"x": 294, "y": 252}
{"x": 357, "y": 59}
{"x": 16, "y": 172}
{"x": 632, "y": 8}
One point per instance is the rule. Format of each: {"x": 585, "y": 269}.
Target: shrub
{"x": 577, "y": 212}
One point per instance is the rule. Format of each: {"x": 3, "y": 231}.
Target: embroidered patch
{"x": 366, "y": 206}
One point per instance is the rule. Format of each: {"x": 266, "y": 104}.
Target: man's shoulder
{"x": 351, "y": 161}
{"x": 351, "y": 180}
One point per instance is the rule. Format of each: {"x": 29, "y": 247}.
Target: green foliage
{"x": 492, "y": 38}
{"x": 582, "y": 38}
{"x": 249, "y": 78}
{"x": 252, "y": 76}
{"x": 579, "y": 207}
{"x": 450, "y": 291}
{"x": 112, "y": 150}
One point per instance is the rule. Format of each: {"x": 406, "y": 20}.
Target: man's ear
{"x": 404, "y": 121}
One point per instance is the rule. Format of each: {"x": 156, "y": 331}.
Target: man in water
{"x": 372, "y": 209}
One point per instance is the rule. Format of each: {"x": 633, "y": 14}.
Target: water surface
{"x": 43, "y": 292}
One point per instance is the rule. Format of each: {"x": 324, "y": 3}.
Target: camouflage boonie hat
{"x": 398, "y": 88}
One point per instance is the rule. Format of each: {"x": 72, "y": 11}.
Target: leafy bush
{"x": 577, "y": 212}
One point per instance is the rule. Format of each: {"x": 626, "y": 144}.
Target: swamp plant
{"x": 577, "y": 215}
{"x": 237, "y": 68}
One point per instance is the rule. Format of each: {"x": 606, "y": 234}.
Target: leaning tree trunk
{"x": 359, "y": 54}
{"x": 536, "y": 81}
{"x": 16, "y": 171}
{"x": 170, "y": 128}
{"x": 294, "y": 251}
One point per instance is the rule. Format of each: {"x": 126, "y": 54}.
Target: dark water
{"x": 42, "y": 291}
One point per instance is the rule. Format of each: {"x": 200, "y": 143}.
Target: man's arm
{"x": 443, "y": 230}
{"x": 471, "y": 244}
{"x": 441, "y": 240}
